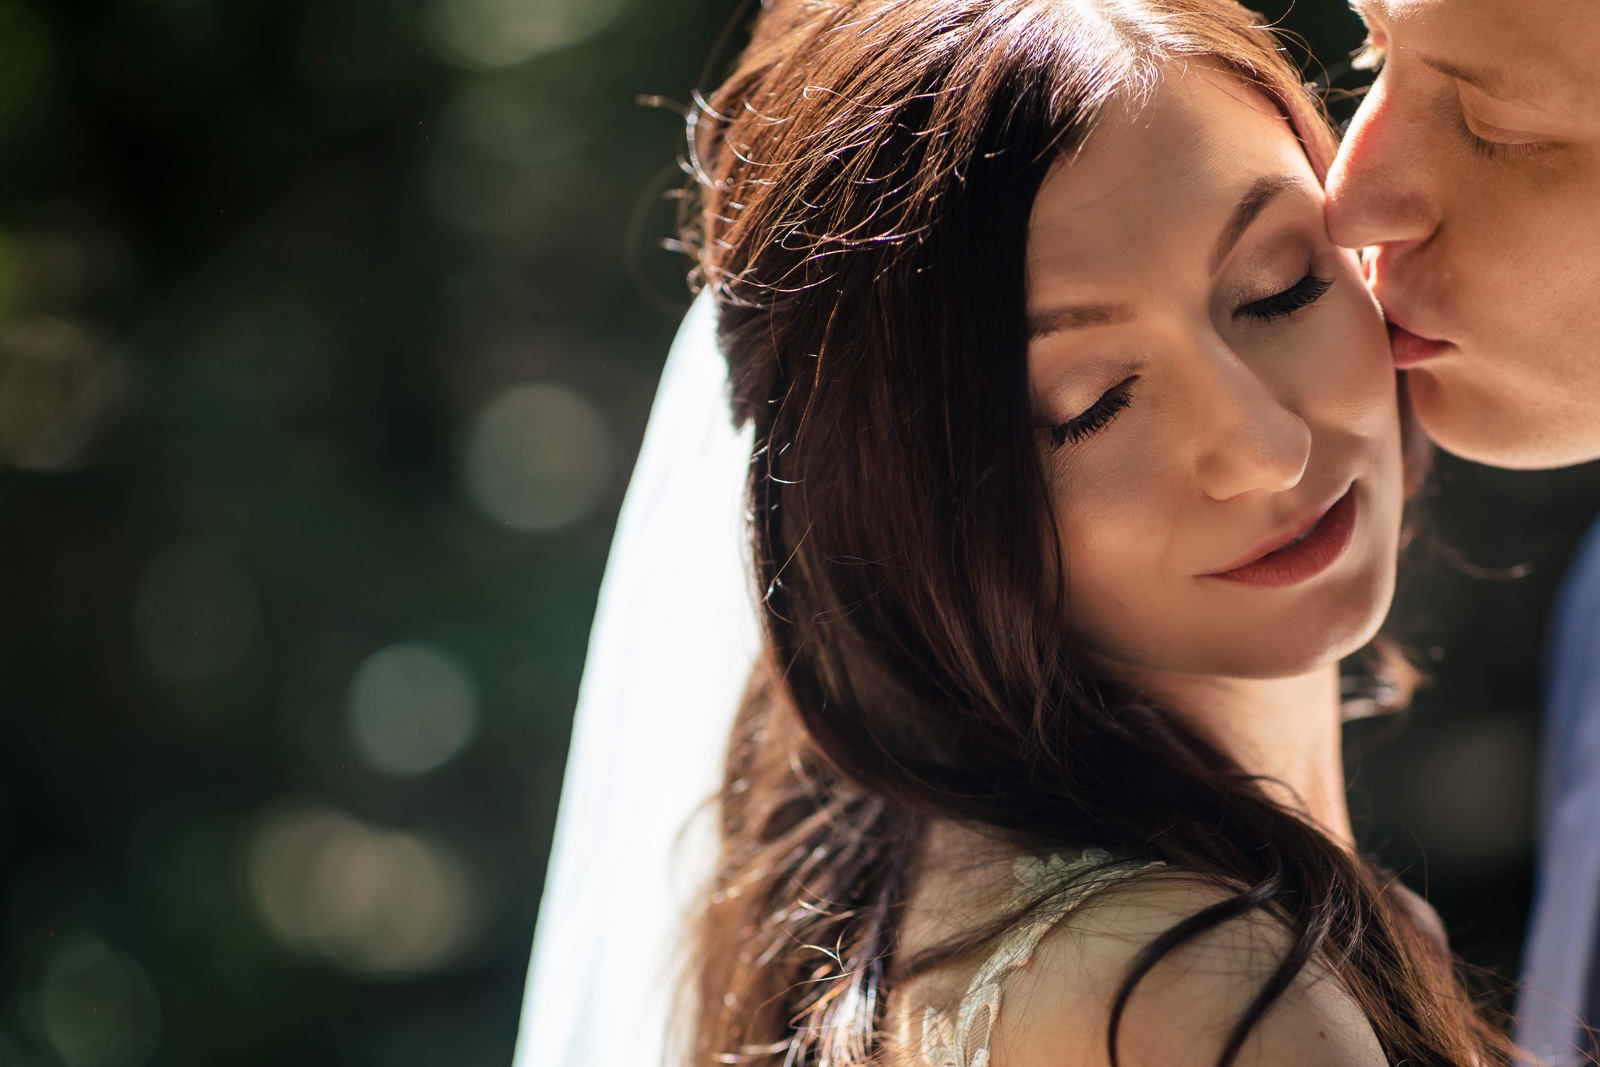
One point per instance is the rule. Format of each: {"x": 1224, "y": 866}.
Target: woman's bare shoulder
{"x": 1056, "y": 1012}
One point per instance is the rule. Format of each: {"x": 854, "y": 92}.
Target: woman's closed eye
{"x": 1096, "y": 417}
{"x": 1303, "y": 293}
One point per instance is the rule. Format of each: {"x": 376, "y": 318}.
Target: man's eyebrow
{"x": 1519, "y": 84}
{"x": 1251, "y": 204}
{"x": 1076, "y": 317}
{"x": 1492, "y": 82}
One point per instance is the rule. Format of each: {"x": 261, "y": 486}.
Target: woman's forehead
{"x": 1183, "y": 154}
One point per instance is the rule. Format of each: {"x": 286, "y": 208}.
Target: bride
{"x": 1077, "y": 468}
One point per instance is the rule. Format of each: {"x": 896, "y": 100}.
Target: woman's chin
{"x": 1308, "y": 633}
{"x": 1297, "y": 640}
{"x": 1312, "y": 643}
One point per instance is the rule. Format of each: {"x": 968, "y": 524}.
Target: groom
{"x": 1473, "y": 171}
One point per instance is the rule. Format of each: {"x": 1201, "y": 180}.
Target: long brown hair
{"x": 866, "y": 179}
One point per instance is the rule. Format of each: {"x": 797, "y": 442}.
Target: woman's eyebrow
{"x": 1076, "y": 317}
{"x": 1251, "y": 204}
{"x": 1080, "y": 316}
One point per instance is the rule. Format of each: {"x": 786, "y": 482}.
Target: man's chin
{"x": 1500, "y": 428}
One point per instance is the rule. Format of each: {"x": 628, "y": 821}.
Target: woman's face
{"x": 1213, "y": 394}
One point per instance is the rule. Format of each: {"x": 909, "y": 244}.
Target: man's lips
{"x": 1411, "y": 349}
{"x": 1306, "y": 550}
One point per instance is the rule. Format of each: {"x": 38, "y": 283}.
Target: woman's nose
{"x": 1378, "y": 186}
{"x": 1249, "y": 440}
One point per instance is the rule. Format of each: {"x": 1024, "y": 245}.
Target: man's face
{"x": 1473, "y": 172}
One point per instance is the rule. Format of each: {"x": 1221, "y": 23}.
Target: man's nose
{"x": 1378, "y": 187}
{"x": 1250, "y": 440}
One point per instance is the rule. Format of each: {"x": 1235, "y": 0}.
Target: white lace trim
{"x": 963, "y": 1041}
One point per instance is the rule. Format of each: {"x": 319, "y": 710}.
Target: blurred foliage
{"x": 294, "y": 621}
{"x": 328, "y": 329}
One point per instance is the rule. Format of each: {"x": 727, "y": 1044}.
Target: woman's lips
{"x": 1410, "y": 349}
{"x": 1305, "y": 556}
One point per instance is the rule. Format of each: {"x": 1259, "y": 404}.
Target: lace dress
{"x": 962, "y": 1039}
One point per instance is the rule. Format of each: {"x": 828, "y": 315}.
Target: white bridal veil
{"x": 673, "y": 642}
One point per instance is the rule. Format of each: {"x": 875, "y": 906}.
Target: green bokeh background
{"x": 262, "y": 267}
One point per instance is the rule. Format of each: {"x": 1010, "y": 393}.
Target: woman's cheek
{"x": 1351, "y": 370}
{"x": 1114, "y": 520}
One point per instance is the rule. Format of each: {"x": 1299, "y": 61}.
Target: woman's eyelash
{"x": 1096, "y": 418}
{"x": 1303, "y": 293}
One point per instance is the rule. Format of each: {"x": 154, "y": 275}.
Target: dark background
{"x": 328, "y": 329}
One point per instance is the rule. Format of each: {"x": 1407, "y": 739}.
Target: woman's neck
{"x": 1286, "y": 730}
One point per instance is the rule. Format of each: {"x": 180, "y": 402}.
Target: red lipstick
{"x": 1410, "y": 349}
{"x": 1291, "y": 560}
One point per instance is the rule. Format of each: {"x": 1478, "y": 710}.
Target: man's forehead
{"x": 1536, "y": 52}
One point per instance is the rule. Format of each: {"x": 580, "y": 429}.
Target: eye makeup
{"x": 1096, "y": 417}
{"x": 1302, "y": 294}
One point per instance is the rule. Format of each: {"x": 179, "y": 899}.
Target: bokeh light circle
{"x": 377, "y": 900}
{"x": 1473, "y": 793}
{"x": 489, "y": 34}
{"x": 537, "y": 458}
{"x": 412, "y": 706}
{"x": 99, "y": 1008}
{"x": 56, "y": 394}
